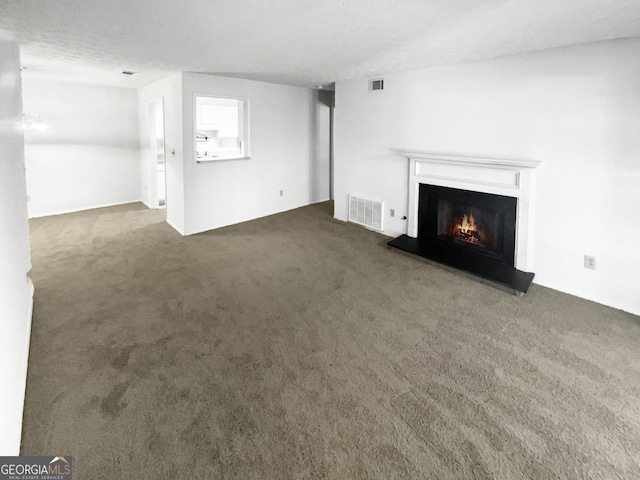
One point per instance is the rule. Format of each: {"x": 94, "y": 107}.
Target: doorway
{"x": 157, "y": 158}
{"x": 322, "y": 173}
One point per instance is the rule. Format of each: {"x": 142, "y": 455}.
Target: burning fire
{"x": 467, "y": 230}
{"x": 468, "y": 224}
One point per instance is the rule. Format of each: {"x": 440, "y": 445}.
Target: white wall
{"x": 169, "y": 91}
{"x": 88, "y": 156}
{"x": 576, "y": 109}
{"x": 16, "y": 291}
{"x": 283, "y": 152}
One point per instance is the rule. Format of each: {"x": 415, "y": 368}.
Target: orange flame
{"x": 468, "y": 224}
{"x": 468, "y": 231}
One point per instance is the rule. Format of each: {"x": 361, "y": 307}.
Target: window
{"x": 222, "y": 128}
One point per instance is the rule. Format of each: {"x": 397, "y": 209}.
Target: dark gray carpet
{"x": 297, "y": 346}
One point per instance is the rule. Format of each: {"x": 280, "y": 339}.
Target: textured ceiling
{"x": 298, "y": 42}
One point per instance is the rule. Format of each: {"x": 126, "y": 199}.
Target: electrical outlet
{"x": 282, "y": 193}
{"x": 28, "y": 198}
{"x": 589, "y": 262}
{"x": 392, "y": 212}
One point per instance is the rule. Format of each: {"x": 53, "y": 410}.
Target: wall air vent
{"x": 365, "y": 212}
{"x": 376, "y": 85}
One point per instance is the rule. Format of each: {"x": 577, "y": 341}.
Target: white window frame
{"x": 244, "y": 137}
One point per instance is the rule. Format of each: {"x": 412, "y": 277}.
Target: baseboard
{"x": 32, "y": 291}
{"x": 82, "y": 209}
{"x": 208, "y": 228}
{"x": 172, "y": 225}
{"x": 585, "y": 296}
{"x": 25, "y": 363}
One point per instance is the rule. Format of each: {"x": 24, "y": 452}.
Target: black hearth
{"x": 471, "y": 231}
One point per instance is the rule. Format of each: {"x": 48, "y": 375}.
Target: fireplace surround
{"x": 472, "y": 214}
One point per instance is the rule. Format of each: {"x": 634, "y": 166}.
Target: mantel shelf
{"x": 488, "y": 162}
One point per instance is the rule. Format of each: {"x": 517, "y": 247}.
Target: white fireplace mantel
{"x": 511, "y": 178}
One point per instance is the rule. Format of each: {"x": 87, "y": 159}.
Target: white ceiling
{"x": 298, "y": 42}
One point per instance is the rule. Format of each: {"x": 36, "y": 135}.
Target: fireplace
{"x": 470, "y": 222}
{"x": 472, "y": 214}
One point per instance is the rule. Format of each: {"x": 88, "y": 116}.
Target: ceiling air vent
{"x": 376, "y": 85}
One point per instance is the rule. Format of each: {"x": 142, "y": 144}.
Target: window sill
{"x": 220, "y": 158}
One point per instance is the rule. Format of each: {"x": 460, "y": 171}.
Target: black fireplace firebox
{"x": 468, "y": 222}
{"x": 470, "y": 231}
